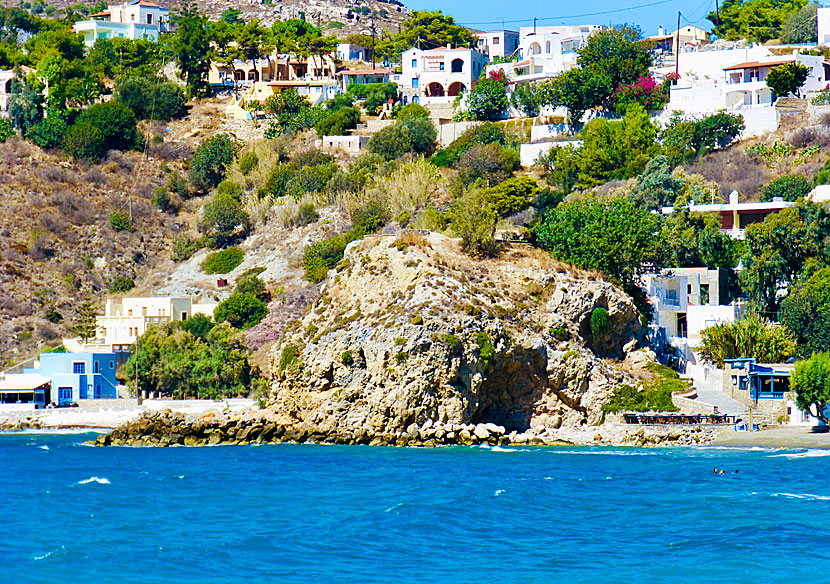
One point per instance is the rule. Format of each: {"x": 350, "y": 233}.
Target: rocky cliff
{"x": 411, "y": 335}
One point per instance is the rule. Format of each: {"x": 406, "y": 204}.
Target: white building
{"x": 498, "y": 44}
{"x": 350, "y": 52}
{"x": 440, "y": 75}
{"x": 686, "y": 301}
{"x": 823, "y": 16}
{"x": 135, "y": 19}
{"x": 126, "y": 319}
{"x": 734, "y": 80}
{"x": 6, "y": 83}
{"x": 546, "y": 51}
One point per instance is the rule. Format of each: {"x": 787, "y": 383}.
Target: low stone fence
{"x": 686, "y": 403}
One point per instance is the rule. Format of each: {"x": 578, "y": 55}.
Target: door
{"x": 64, "y": 395}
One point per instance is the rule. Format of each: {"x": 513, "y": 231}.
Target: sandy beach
{"x": 779, "y": 437}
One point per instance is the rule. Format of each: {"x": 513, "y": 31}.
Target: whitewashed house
{"x": 350, "y": 52}
{"x": 135, "y": 19}
{"x": 497, "y": 44}
{"x": 438, "y": 76}
{"x": 126, "y": 319}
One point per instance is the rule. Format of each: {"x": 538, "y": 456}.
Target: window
{"x": 184, "y": 316}
{"x": 129, "y": 313}
{"x": 79, "y": 368}
{"x": 441, "y": 66}
{"x": 414, "y": 63}
{"x": 95, "y": 366}
{"x": 743, "y": 382}
{"x": 149, "y": 19}
{"x": 112, "y": 364}
{"x": 415, "y": 82}
{"x": 97, "y": 391}
{"x": 458, "y": 66}
{"x": 143, "y": 311}
{"x": 495, "y": 40}
{"x": 704, "y": 293}
{"x": 64, "y": 394}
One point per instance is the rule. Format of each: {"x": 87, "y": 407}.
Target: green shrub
{"x": 559, "y": 333}
{"x": 288, "y": 357}
{"x": 161, "y": 199}
{"x": 599, "y": 321}
{"x": 490, "y": 162}
{"x": 474, "y": 221}
{"x": 409, "y": 135}
{"x": 306, "y": 215}
{"x": 250, "y": 283}
{"x": 789, "y": 187}
{"x": 751, "y": 337}
{"x": 370, "y": 217}
{"x": 183, "y": 248}
{"x": 347, "y": 359}
{"x": 338, "y": 122}
{"x": 224, "y": 261}
{"x": 487, "y": 100}
{"x": 178, "y": 184}
{"x": 49, "y": 133}
{"x": 115, "y": 121}
{"x": 152, "y": 100}
{"x": 210, "y": 161}
{"x": 241, "y": 310}
{"x": 512, "y": 196}
{"x": 486, "y": 351}
{"x": 6, "y": 129}
{"x": 452, "y": 342}
{"x": 248, "y": 162}
{"x": 276, "y": 185}
{"x": 321, "y": 256}
{"x": 410, "y": 111}
{"x": 121, "y": 284}
{"x": 310, "y": 179}
{"x": 83, "y": 141}
{"x": 120, "y": 221}
{"x": 229, "y": 188}
{"x": 224, "y": 221}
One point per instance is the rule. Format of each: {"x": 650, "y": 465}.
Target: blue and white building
{"x": 61, "y": 378}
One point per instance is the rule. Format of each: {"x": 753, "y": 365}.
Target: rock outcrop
{"x": 409, "y": 334}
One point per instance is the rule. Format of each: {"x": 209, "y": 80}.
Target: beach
{"x": 788, "y": 437}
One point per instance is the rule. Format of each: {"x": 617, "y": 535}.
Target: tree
{"x": 789, "y": 187}
{"x": 211, "y": 159}
{"x": 474, "y": 221}
{"x": 424, "y": 29}
{"x": 511, "y": 196}
{"x": 116, "y": 122}
{"x": 611, "y": 236}
{"x": 487, "y": 100}
{"x": 224, "y": 221}
{"x": 695, "y": 239}
{"x": 577, "y": 90}
{"x": 156, "y": 100}
{"x": 787, "y": 79}
{"x": 776, "y": 251}
{"x": 656, "y": 187}
{"x": 191, "y": 47}
{"x": 6, "y": 129}
{"x": 411, "y": 135}
{"x": 683, "y": 138}
{"x": 752, "y": 337}
{"x": 618, "y": 54}
{"x": 811, "y": 385}
{"x": 250, "y": 42}
{"x": 806, "y": 312}
{"x": 84, "y": 141}
{"x": 241, "y": 310}
{"x": 753, "y": 20}
{"x": 84, "y": 325}
{"x": 26, "y": 102}
{"x": 801, "y": 26}
{"x": 490, "y": 163}
{"x": 231, "y": 16}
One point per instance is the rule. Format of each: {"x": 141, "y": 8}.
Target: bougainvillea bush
{"x": 645, "y": 92}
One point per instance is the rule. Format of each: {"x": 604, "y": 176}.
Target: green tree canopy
{"x": 617, "y": 54}
{"x": 811, "y": 385}
{"x": 241, "y": 310}
{"x": 787, "y": 79}
{"x": 487, "y": 100}
{"x": 754, "y": 20}
{"x": 577, "y": 90}
{"x": 751, "y": 337}
{"x": 612, "y": 236}
{"x": 806, "y": 311}
{"x": 224, "y": 221}
{"x": 211, "y": 159}
{"x": 425, "y": 30}
{"x": 191, "y": 48}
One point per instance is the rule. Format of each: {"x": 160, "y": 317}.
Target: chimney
{"x": 449, "y": 46}
{"x": 661, "y": 31}
{"x": 733, "y": 198}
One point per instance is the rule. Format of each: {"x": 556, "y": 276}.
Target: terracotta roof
{"x": 299, "y": 83}
{"x": 666, "y": 37}
{"x": 351, "y": 72}
{"x": 104, "y": 13}
{"x": 756, "y": 64}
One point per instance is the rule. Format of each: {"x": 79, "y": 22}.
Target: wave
{"x": 100, "y": 481}
{"x": 44, "y": 447}
{"x": 393, "y": 507}
{"x": 503, "y": 449}
{"x": 811, "y": 453}
{"x": 55, "y": 552}
{"x": 499, "y": 492}
{"x": 807, "y": 496}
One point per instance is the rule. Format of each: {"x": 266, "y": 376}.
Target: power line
{"x": 616, "y": 10}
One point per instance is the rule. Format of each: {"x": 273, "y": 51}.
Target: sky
{"x": 649, "y": 14}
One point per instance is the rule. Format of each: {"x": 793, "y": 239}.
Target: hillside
{"x": 340, "y": 17}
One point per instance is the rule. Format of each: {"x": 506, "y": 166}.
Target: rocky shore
{"x": 169, "y": 428}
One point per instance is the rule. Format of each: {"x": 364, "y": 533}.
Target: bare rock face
{"x": 411, "y": 335}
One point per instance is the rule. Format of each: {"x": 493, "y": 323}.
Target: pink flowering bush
{"x": 645, "y": 92}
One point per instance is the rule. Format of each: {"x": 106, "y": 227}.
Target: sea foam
{"x": 811, "y": 453}
{"x": 100, "y": 481}
{"x": 807, "y": 496}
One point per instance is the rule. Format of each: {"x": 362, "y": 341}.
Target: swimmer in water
{"x": 715, "y": 471}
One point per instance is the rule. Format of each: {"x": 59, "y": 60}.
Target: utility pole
{"x": 534, "y": 25}
{"x": 373, "y": 40}
{"x": 677, "y": 50}
{"x": 717, "y": 14}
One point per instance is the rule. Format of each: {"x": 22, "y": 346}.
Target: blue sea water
{"x": 306, "y": 513}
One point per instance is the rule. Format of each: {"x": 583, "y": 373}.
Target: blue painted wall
{"x": 87, "y": 375}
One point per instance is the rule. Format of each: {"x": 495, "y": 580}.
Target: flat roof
{"x": 351, "y": 72}
{"x": 298, "y": 82}
{"x": 739, "y": 207}
{"x": 23, "y": 382}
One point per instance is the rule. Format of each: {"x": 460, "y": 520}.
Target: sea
{"x": 359, "y": 514}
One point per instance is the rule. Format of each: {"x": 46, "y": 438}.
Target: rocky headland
{"x": 412, "y": 342}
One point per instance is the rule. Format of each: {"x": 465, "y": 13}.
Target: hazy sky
{"x": 649, "y": 14}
